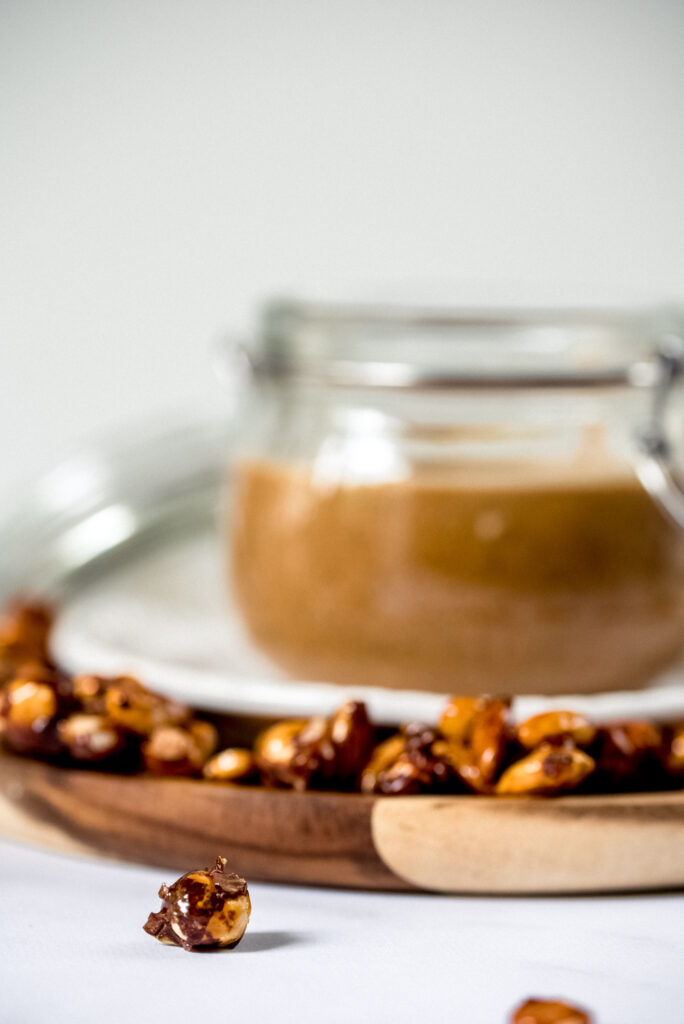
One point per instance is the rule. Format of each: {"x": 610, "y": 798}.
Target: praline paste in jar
{"x": 546, "y": 576}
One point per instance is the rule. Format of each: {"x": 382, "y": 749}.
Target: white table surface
{"x": 73, "y": 950}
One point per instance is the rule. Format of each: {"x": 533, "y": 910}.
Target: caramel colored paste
{"x": 537, "y": 578}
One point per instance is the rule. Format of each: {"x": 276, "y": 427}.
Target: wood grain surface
{"x": 449, "y": 844}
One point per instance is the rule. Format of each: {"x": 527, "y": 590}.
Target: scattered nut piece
{"x": 547, "y": 770}
{"x": 206, "y": 909}
{"x": 543, "y": 1011}
{"x": 556, "y": 725}
{"x": 234, "y": 764}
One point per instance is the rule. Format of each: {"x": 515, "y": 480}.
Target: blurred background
{"x": 164, "y": 165}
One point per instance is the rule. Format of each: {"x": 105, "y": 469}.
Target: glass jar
{"x": 467, "y": 501}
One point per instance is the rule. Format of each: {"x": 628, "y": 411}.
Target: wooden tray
{"x": 446, "y": 844}
{"x": 144, "y": 508}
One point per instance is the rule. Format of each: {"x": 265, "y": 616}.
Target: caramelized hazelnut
{"x": 28, "y": 710}
{"x": 275, "y": 750}
{"x": 24, "y": 631}
{"x": 544, "y": 1011}
{"x": 460, "y": 759}
{"x": 206, "y": 909}
{"x": 556, "y": 725}
{"x": 414, "y": 771}
{"x": 627, "y": 754}
{"x": 234, "y": 764}
{"x": 29, "y": 701}
{"x": 547, "y": 770}
{"x": 137, "y": 709}
{"x": 674, "y": 750}
{"x": 407, "y": 764}
{"x": 90, "y": 737}
{"x": 351, "y": 736}
{"x": 179, "y": 750}
{"x": 90, "y": 693}
{"x": 457, "y": 718}
{"x": 318, "y": 751}
{"x": 385, "y": 754}
{"x": 489, "y": 736}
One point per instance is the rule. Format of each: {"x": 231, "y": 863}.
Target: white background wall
{"x": 164, "y": 163}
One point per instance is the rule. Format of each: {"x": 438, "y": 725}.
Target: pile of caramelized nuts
{"x": 118, "y": 724}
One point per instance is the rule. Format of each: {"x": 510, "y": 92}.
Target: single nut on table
{"x": 552, "y": 725}
{"x": 234, "y": 764}
{"x": 179, "y": 750}
{"x": 128, "y": 703}
{"x": 28, "y": 710}
{"x": 90, "y": 737}
{"x": 545, "y": 1011}
{"x": 205, "y": 909}
{"x": 547, "y": 770}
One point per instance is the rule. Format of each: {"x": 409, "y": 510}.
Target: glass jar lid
{"x": 395, "y": 346}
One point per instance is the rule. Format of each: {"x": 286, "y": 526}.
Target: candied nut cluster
{"x": 476, "y": 747}
{"x": 317, "y": 752}
{"x": 205, "y": 909}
